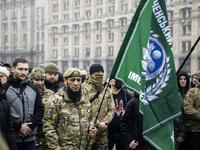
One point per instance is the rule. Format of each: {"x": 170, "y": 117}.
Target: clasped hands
{"x": 25, "y": 130}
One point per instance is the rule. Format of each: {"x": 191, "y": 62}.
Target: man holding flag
{"x": 152, "y": 73}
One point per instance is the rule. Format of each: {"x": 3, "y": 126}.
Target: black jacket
{"x": 114, "y": 126}
{"x": 25, "y": 106}
{"x": 131, "y": 125}
{"x": 54, "y": 87}
{"x": 6, "y": 123}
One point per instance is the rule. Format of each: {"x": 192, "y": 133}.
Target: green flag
{"x": 145, "y": 64}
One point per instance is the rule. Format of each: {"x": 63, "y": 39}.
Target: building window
{"x": 37, "y": 47}
{"x": 77, "y": 15}
{"x": 15, "y": 48}
{"x": 99, "y": 12}
{"x": 24, "y": 3}
{"x": 24, "y": 13}
{"x": 42, "y": 11}
{"x": 88, "y": 14}
{"x": 186, "y": 13}
{"x": 87, "y": 26}
{"x": 42, "y": 47}
{"x": 110, "y": 51}
{"x": 87, "y": 52}
{"x": 42, "y": 23}
{"x": 110, "y": 24}
{"x": 55, "y": 42}
{"x": 55, "y": 18}
{"x": 98, "y": 38}
{"x": 24, "y": 25}
{"x": 170, "y": 15}
{"x": 5, "y": 4}
{"x": 25, "y": 48}
{"x": 42, "y": 36}
{"x": 76, "y": 40}
{"x": 14, "y": 37}
{"x": 65, "y": 41}
{"x": 99, "y": 2}
{"x": 65, "y": 66}
{"x": 66, "y": 16}
{"x": 123, "y": 35}
{"x": 38, "y": 24}
{"x": 5, "y": 27}
{"x": 55, "y": 53}
{"x": 186, "y": 45}
{"x": 14, "y": 3}
{"x": 76, "y": 3}
{"x": 24, "y": 37}
{"x": 5, "y": 49}
{"x": 187, "y": 65}
{"x": 88, "y": 3}
{"x": 54, "y": 30}
{"x": 98, "y": 51}
{"x": 110, "y": 37}
{"x": 5, "y": 15}
{"x": 55, "y": 7}
{"x": 66, "y": 53}
{"x": 123, "y": 22}
{"x": 38, "y": 12}
{"x": 38, "y": 36}
{"x": 14, "y": 14}
{"x": 15, "y": 26}
{"x": 75, "y": 64}
{"x": 124, "y": 8}
{"x": 111, "y": 10}
{"x": 65, "y": 29}
{"x": 66, "y": 4}
{"x": 76, "y": 27}
{"x": 186, "y": 30}
{"x": 76, "y": 52}
{"x": 5, "y": 38}
{"x": 171, "y": 31}
{"x": 98, "y": 25}
{"x": 87, "y": 39}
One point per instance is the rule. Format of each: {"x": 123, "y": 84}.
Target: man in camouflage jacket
{"x": 37, "y": 78}
{"x": 68, "y": 117}
{"x": 93, "y": 90}
{"x": 192, "y": 110}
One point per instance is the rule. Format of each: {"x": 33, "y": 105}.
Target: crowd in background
{"x": 41, "y": 108}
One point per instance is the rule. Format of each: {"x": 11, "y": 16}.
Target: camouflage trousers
{"x": 100, "y": 142}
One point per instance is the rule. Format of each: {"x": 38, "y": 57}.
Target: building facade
{"x": 78, "y": 33}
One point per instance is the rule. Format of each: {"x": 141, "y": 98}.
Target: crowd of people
{"x": 42, "y": 109}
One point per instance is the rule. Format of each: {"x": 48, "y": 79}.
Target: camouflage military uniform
{"x": 38, "y": 73}
{"x": 41, "y": 141}
{"x": 100, "y": 142}
{"x": 66, "y": 124}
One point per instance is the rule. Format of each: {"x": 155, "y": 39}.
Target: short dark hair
{"x": 19, "y": 60}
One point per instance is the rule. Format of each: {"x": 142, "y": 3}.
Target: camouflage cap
{"x": 196, "y": 74}
{"x": 72, "y": 72}
{"x": 37, "y": 73}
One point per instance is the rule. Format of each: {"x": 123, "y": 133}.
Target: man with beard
{"x": 121, "y": 97}
{"x": 37, "y": 78}
{"x": 25, "y": 105}
{"x": 195, "y": 79}
{"x": 68, "y": 115}
{"x": 93, "y": 90}
{"x": 51, "y": 77}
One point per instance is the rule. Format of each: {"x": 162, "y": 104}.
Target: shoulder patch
{"x": 48, "y": 113}
{"x": 185, "y": 98}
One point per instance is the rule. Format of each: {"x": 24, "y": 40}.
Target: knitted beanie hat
{"x": 51, "y": 68}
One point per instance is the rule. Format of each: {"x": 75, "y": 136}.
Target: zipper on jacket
{"x": 80, "y": 126}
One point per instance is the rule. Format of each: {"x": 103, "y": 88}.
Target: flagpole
{"x": 188, "y": 55}
{"x": 95, "y": 121}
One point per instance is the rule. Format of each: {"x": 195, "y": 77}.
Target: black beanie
{"x": 95, "y": 68}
